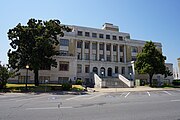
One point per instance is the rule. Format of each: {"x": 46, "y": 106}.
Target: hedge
{"x": 176, "y": 82}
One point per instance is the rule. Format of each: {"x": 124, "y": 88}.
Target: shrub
{"x": 79, "y": 82}
{"x": 66, "y": 86}
{"x": 176, "y": 82}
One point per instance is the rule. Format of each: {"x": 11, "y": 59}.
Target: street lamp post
{"x": 27, "y": 67}
{"x": 130, "y": 78}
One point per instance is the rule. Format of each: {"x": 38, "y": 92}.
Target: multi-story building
{"x": 94, "y": 55}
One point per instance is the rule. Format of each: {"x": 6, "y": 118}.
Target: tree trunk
{"x": 36, "y": 75}
{"x": 150, "y": 80}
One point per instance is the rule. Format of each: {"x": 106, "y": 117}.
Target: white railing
{"x": 98, "y": 81}
{"x": 125, "y": 80}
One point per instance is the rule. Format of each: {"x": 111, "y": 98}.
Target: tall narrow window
{"x": 108, "y": 47}
{"x": 123, "y": 70}
{"x": 86, "y": 68}
{"x": 86, "y": 56}
{"x": 86, "y": 45}
{"x": 116, "y": 69}
{"x": 94, "y": 56}
{"x": 101, "y": 46}
{"x": 94, "y": 46}
{"x": 79, "y": 56}
{"x": 108, "y": 57}
{"x": 79, "y": 44}
{"x": 79, "y": 68}
{"x": 114, "y": 47}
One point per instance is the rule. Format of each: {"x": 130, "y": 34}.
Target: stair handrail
{"x": 98, "y": 81}
{"x": 125, "y": 80}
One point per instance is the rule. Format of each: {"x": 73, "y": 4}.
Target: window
{"x": 107, "y": 36}
{"x": 45, "y": 67}
{"x": 121, "y": 48}
{"x": 43, "y": 78}
{"x": 101, "y": 57}
{"x": 133, "y": 58}
{"x": 86, "y": 56}
{"x": 121, "y": 59}
{"x": 123, "y": 70}
{"x": 80, "y": 33}
{"x": 94, "y": 35}
{"x": 63, "y": 66}
{"x": 128, "y": 37}
{"x": 134, "y": 49}
{"x": 120, "y": 37}
{"x": 101, "y": 46}
{"x": 79, "y": 68}
{"x": 64, "y": 42}
{"x": 62, "y": 80}
{"x": 114, "y": 37}
{"x": 130, "y": 69}
{"x": 115, "y": 58}
{"x": 94, "y": 56}
{"x": 114, "y": 48}
{"x": 116, "y": 69}
{"x": 87, "y": 34}
{"x": 86, "y": 68}
{"x": 63, "y": 53}
{"x": 108, "y": 47}
{"x": 79, "y": 56}
{"x": 79, "y": 44}
{"x": 94, "y": 46}
{"x": 86, "y": 45}
{"x": 101, "y": 36}
{"x": 22, "y": 79}
{"x": 108, "y": 57}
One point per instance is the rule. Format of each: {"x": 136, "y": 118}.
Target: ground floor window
{"x": 63, "y": 66}
{"x": 123, "y": 70}
{"x": 62, "y": 80}
{"x": 22, "y": 79}
{"x": 79, "y": 68}
{"x": 116, "y": 69}
{"x": 43, "y": 78}
{"x": 86, "y": 68}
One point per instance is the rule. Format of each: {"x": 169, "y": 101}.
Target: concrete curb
{"x": 106, "y": 90}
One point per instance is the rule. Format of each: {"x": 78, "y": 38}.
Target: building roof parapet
{"x": 89, "y": 29}
{"x": 134, "y": 41}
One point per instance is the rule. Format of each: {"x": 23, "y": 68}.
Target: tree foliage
{"x": 34, "y": 44}
{"x": 150, "y": 61}
{"x": 5, "y": 74}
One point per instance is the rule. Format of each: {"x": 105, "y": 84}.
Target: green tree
{"x": 5, "y": 74}
{"x": 34, "y": 45}
{"x": 150, "y": 61}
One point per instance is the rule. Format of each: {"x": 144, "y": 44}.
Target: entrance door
{"x": 109, "y": 71}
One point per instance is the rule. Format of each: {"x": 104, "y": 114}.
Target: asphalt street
{"x": 128, "y": 105}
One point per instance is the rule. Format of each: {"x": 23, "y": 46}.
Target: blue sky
{"x": 156, "y": 20}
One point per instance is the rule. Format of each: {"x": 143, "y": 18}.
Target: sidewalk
{"x": 139, "y": 88}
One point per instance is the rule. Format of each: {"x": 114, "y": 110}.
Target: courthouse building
{"x": 101, "y": 57}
